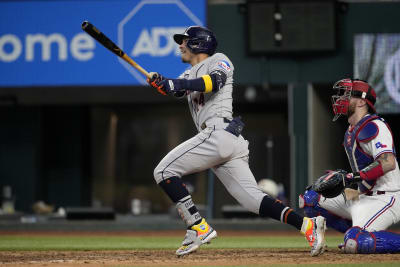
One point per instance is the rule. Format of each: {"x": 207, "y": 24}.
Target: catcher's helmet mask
{"x": 347, "y": 88}
{"x": 200, "y": 40}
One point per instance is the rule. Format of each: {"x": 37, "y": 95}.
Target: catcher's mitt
{"x": 333, "y": 183}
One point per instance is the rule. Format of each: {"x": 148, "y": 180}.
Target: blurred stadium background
{"x": 80, "y": 132}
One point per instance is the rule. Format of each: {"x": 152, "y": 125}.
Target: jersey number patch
{"x": 198, "y": 102}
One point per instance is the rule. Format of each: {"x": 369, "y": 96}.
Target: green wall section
{"x": 59, "y": 171}
{"x": 229, "y": 24}
{"x": 43, "y": 154}
{"x": 299, "y": 134}
{"x": 19, "y": 155}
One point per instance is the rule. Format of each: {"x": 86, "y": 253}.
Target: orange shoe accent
{"x": 201, "y": 228}
{"x": 314, "y": 232}
{"x": 309, "y": 231}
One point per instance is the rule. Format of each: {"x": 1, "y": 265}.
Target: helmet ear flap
{"x": 364, "y": 91}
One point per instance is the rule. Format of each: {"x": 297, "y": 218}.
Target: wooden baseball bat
{"x": 107, "y": 43}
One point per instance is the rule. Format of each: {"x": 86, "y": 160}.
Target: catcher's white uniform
{"x": 377, "y": 210}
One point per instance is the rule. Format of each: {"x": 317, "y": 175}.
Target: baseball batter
{"x": 219, "y": 145}
{"x": 363, "y": 214}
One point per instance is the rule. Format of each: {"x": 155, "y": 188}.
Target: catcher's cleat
{"x": 196, "y": 236}
{"x": 314, "y": 231}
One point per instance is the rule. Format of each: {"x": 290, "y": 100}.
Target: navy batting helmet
{"x": 200, "y": 40}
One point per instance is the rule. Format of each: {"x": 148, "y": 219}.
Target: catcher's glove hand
{"x": 333, "y": 183}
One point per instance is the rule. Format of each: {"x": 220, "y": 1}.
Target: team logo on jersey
{"x": 224, "y": 65}
{"x": 380, "y": 145}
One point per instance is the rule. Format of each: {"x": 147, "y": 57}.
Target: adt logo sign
{"x": 146, "y": 35}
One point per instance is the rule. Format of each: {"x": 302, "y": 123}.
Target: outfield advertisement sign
{"x": 42, "y": 43}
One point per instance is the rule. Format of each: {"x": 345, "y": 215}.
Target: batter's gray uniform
{"x": 213, "y": 147}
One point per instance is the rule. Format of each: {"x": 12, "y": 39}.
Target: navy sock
{"x": 175, "y": 188}
{"x": 274, "y": 209}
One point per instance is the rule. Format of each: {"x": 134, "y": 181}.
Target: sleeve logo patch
{"x": 224, "y": 65}
{"x": 380, "y": 145}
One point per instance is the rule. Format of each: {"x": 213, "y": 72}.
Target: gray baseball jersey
{"x": 206, "y": 106}
{"x": 214, "y": 147}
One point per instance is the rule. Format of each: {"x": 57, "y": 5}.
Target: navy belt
{"x": 204, "y": 125}
{"x": 370, "y": 193}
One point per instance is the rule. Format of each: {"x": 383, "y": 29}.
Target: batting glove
{"x": 156, "y": 82}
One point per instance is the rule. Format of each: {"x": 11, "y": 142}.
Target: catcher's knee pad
{"x": 309, "y": 202}
{"x": 310, "y": 198}
{"x": 360, "y": 241}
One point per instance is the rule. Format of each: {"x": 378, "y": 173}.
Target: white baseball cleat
{"x": 196, "y": 236}
{"x": 314, "y": 231}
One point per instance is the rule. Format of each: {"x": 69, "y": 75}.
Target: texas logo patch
{"x": 224, "y": 65}
{"x": 380, "y": 145}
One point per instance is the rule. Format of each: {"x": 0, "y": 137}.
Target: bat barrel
{"x": 107, "y": 43}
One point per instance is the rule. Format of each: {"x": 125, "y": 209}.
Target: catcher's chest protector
{"x": 357, "y": 157}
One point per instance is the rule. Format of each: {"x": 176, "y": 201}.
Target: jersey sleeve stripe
{"x": 207, "y": 83}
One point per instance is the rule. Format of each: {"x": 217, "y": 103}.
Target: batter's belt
{"x": 218, "y": 123}
{"x": 234, "y": 126}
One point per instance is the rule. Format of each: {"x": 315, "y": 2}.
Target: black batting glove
{"x": 156, "y": 82}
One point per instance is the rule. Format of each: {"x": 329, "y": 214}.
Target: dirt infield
{"x": 203, "y": 257}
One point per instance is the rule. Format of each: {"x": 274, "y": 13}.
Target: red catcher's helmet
{"x": 347, "y": 88}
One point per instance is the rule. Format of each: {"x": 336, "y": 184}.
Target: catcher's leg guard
{"x": 309, "y": 202}
{"x": 357, "y": 240}
{"x": 386, "y": 242}
{"x": 361, "y": 241}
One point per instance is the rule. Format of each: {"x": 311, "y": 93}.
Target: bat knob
{"x": 85, "y": 24}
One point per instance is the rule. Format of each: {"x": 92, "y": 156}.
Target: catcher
{"x": 365, "y": 202}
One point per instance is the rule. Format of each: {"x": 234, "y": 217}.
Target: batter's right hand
{"x": 155, "y": 82}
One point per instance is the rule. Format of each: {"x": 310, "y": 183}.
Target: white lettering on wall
{"x": 12, "y": 40}
{"x": 45, "y": 42}
{"x": 81, "y": 47}
{"x": 150, "y": 42}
